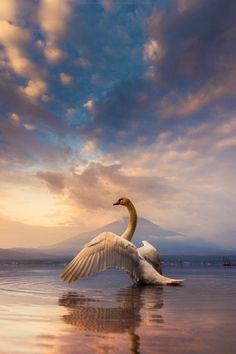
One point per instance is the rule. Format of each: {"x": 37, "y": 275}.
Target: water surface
{"x": 106, "y": 314}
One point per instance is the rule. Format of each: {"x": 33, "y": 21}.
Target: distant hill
{"x": 167, "y": 241}
{"x": 18, "y": 254}
{"x": 146, "y": 230}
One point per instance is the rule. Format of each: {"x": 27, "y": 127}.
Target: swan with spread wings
{"x": 109, "y": 250}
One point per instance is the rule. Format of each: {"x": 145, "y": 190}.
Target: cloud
{"x": 8, "y": 10}
{"x": 89, "y": 147}
{"x": 34, "y": 89}
{"x": 190, "y": 71}
{"x": 65, "y": 79}
{"x": 207, "y": 40}
{"x": 91, "y": 190}
{"x": 54, "y": 16}
{"x": 29, "y": 127}
{"x": 185, "y": 184}
{"x": 26, "y": 108}
{"x": 188, "y": 5}
{"x": 197, "y": 167}
{"x": 16, "y": 42}
{"x": 95, "y": 187}
{"x": 54, "y": 180}
{"x": 89, "y": 105}
{"x": 15, "y": 117}
{"x": 15, "y": 39}
{"x": 22, "y": 143}
{"x": 152, "y": 100}
{"x": 108, "y": 5}
{"x": 186, "y": 105}
{"x": 152, "y": 50}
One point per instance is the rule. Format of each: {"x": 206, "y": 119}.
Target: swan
{"x": 109, "y": 250}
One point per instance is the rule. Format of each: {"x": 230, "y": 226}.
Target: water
{"x": 106, "y": 314}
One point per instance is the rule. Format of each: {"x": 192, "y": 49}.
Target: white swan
{"x": 109, "y": 250}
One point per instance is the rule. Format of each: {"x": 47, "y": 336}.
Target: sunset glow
{"x": 105, "y": 99}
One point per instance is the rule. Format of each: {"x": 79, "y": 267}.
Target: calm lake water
{"x": 106, "y": 314}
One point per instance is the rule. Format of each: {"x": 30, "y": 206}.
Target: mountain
{"x": 166, "y": 241}
{"x": 145, "y": 230}
{"x": 19, "y": 254}
{"x": 171, "y": 244}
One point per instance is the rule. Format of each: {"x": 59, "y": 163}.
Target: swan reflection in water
{"x": 121, "y": 312}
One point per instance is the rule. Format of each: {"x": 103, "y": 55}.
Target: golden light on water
{"x": 105, "y": 314}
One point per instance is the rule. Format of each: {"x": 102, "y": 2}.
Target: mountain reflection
{"x": 122, "y": 311}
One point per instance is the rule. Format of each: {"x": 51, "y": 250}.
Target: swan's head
{"x": 122, "y": 201}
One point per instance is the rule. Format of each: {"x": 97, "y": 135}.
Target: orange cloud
{"x": 53, "y": 16}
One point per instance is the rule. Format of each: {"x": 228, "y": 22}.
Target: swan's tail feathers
{"x": 169, "y": 281}
{"x": 175, "y": 282}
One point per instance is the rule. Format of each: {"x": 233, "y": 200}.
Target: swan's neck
{"x": 132, "y": 223}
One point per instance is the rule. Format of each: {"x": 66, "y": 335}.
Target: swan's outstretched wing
{"x": 151, "y": 255}
{"x": 105, "y": 251}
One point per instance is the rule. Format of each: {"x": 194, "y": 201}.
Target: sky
{"x": 103, "y": 99}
